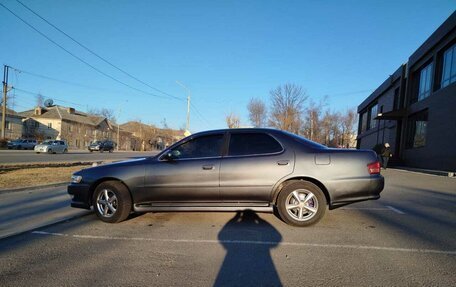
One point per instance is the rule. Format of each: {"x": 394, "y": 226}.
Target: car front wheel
{"x": 112, "y": 202}
{"x": 301, "y": 204}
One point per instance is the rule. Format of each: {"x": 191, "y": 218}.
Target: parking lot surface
{"x": 407, "y": 238}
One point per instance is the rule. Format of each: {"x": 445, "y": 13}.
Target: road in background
{"x": 29, "y": 156}
{"x": 407, "y": 238}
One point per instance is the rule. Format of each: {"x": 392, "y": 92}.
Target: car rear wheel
{"x": 301, "y": 204}
{"x": 112, "y": 202}
{"x": 49, "y": 150}
{"x": 65, "y": 151}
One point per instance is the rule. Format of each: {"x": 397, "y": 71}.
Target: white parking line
{"x": 251, "y": 242}
{"x": 395, "y": 209}
{"x": 386, "y": 208}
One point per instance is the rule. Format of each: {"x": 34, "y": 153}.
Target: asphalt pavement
{"x": 29, "y": 156}
{"x": 407, "y": 238}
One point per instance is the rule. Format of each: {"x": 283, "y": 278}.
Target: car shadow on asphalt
{"x": 248, "y": 240}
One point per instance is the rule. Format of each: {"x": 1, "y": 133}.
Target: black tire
{"x": 111, "y": 150}
{"x": 91, "y": 150}
{"x": 49, "y": 151}
{"x": 301, "y": 216}
{"x": 19, "y": 147}
{"x": 121, "y": 201}
{"x": 65, "y": 151}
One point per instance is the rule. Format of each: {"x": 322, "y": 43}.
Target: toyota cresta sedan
{"x": 229, "y": 170}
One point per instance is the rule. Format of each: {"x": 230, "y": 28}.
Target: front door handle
{"x": 283, "y": 162}
{"x": 208, "y": 167}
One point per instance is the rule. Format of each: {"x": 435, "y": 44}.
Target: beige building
{"x": 66, "y": 123}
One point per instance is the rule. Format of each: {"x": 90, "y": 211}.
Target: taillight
{"x": 374, "y": 168}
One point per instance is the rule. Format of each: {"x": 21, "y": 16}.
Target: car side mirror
{"x": 171, "y": 155}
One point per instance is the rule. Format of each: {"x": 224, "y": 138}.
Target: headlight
{"x": 76, "y": 179}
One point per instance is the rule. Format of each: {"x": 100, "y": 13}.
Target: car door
{"x": 255, "y": 162}
{"x": 191, "y": 174}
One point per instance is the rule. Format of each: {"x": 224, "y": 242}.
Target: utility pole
{"x": 187, "y": 127}
{"x": 118, "y": 131}
{"x": 5, "y": 91}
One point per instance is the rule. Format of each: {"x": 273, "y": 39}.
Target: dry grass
{"x": 36, "y": 176}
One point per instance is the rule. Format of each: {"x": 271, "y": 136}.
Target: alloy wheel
{"x": 301, "y": 204}
{"x": 107, "y": 203}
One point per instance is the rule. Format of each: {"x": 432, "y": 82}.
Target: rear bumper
{"x": 80, "y": 194}
{"x": 355, "y": 190}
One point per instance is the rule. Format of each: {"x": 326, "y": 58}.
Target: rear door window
{"x": 253, "y": 144}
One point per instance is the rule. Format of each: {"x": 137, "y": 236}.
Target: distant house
{"x": 148, "y": 137}
{"x": 58, "y": 122}
{"x": 13, "y": 127}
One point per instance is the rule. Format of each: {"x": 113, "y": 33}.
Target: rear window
{"x": 305, "y": 141}
{"x": 253, "y": 144}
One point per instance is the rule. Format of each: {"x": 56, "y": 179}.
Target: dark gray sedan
{"x": 230, "y": 170}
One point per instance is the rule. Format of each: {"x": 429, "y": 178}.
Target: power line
{"x": 80, "y": 59}
{"x": 95, "y": 54}
{"x": 199, "y": 114}
{"x": 37, "y": 94}
{"x": 64, "y": 81}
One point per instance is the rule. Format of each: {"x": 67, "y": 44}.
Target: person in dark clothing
{"x": 386, "y": 154}
{"x": 383, "y": 152}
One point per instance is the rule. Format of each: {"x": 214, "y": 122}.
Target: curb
{"x": 426, "y": 171}
{"x": 35, "y": 187}
{"x": 13, "y": 166}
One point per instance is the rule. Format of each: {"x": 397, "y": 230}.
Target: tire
{"x": 19, "y": 147}
{"x": 49, "y": 151}
{"x": 65, "y": 151}
{"x": 308, "y": 211}
{"x": 91, "y": 150}
{"x": 37, "y": 152}
{"x": 111, "y": 150}
{"x": 119, "y": 200}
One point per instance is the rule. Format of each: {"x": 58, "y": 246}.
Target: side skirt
{"x": 161, "y": 207}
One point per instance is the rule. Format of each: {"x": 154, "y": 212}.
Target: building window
{"x": 396, "y": 99}
{"x": 8, "y": 125}
{"x": 49, "y": 125}
{"x": 424, "y": 89}
{"x": 449, "y": 67}
{"x": 363, "y": 122}
{"x": 416, "y": 131}
{"x": 373, "y": 114}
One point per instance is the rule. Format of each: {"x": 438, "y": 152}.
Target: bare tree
{"x": 287, "y": 105}
{"x": 103, "y": 112}
{"x": 257, "y": 112}
{"x": 348, "y": 121}
{"x": 232, "y": 121}
{"x": 312, "y": 119}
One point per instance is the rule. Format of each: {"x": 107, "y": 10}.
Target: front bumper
{"x": 355, "y": 190}
{"x": 94, "y": 148}
{"x": 80, "y": 194}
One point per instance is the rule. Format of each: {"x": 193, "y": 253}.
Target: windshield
{"x": 47, "y": 142}
{"x": 96, "y": 142}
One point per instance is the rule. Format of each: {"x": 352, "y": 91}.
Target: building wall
{"x": 14, "y": 127}
{"x": 437, "y": 150}
{"x": 39, "y": 128}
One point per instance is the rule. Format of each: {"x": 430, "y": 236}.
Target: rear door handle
{"x": 208, "y": 167}
{"x": 283, "y": 162}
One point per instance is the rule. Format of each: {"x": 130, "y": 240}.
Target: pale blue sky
{"x": 225, "y": 52}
